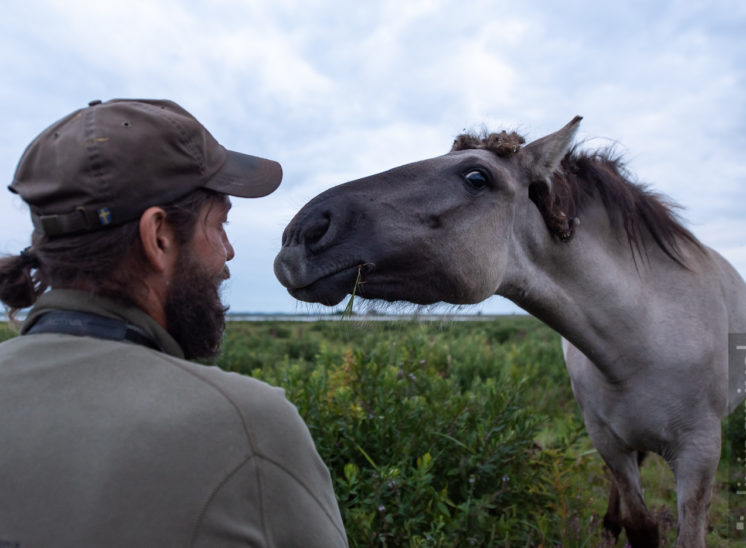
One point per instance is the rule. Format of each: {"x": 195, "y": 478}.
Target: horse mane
{"x": 585, "y": 177}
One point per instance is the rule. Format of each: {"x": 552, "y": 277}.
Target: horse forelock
{"x": 503, "y": 144}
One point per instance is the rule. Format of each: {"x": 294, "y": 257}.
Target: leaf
{"x": 367, "y": 457}
{"x": 425, "y": 461}
{"x": 351, "y": 470}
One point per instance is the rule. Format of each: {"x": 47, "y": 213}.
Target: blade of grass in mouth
{"x": 348, "y": 309}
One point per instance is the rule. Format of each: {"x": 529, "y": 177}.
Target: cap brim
{"x": 246, "y": 176}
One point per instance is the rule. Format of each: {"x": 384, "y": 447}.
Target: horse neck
{"x": 589, "y": 289}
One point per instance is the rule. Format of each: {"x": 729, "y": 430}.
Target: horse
{"x": 644, "y": 309}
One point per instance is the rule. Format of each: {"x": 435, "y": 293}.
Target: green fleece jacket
{"x": 106, "y": 443}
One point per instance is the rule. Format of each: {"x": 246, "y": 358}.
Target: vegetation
{"x": 6, "y": 331}
{"x": 452, "y": 434}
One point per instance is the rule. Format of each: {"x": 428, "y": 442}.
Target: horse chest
{"x": 647, "y": 410}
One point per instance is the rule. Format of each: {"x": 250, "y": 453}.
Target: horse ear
{"x": 543, "y": 156}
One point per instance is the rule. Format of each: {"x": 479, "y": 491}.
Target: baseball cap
{"x": 105, "y": 164}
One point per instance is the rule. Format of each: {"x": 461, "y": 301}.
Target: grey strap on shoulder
{"x": 70, "y": 322}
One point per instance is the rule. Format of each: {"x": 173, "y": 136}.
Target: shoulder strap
{"x": 71, "y": 322}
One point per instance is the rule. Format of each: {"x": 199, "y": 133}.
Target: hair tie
{"x": 29, "y": 258}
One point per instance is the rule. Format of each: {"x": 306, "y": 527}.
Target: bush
{"x": 427, "y": 429}
{"x": 7, "y": 331}
{"x": 450, "y": 434}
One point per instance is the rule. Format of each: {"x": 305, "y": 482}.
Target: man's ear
{"x": 158, "y": 240}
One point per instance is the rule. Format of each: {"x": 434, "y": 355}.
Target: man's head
{"x": 184, "y": 250}
{"x": 128, "y": 199}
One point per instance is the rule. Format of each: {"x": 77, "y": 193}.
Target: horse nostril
{"x": 316, "y": 229}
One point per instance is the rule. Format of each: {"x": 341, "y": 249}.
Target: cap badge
{"x": 104, "y": 216}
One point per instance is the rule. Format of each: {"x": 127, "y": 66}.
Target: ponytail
{"x": 21, "y": 282}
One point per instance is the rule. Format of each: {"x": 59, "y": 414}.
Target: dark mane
{"x": 586, "y": 177}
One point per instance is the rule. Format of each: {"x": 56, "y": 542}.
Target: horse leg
{"x": 641, "y": 529}
{"x": 625, "y": 498}
{"x": 613, "y": 518}
{"x": 695, "y": 467}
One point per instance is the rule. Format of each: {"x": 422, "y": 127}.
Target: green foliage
{"x": 431, "y": 431}
{"x": 734, "y": 434}
{"x": 450, "y": 434}
{"x": 7, "y": 331}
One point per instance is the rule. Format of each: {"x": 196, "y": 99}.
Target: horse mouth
{"x": 331, "y": 289}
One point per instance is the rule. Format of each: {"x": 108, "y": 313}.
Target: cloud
{"x": 338, "y": 90}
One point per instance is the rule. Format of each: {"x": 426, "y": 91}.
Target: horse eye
{"x": 476, "y": 179}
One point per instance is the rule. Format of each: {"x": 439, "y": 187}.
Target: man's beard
{"x": 195, "y": 315}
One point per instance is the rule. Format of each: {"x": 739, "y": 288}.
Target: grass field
{"x": 451, "y": 434}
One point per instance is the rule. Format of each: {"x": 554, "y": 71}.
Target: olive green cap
{"x": 105, "y": 164}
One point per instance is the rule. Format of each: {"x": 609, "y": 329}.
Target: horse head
{"x": 441, "y": 229}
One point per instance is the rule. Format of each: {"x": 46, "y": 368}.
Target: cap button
{"x": 94, "y": 103}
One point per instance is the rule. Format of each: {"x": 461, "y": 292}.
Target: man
{"x": 108, "y": 437}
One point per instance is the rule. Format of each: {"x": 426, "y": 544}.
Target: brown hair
{"x": 503, "y": 144}
{"x": 106, "y": 262}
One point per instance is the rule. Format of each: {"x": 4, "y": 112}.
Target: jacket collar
{"x": 84, "y": 301}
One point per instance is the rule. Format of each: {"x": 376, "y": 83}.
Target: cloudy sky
{"x": 336, "y": 90}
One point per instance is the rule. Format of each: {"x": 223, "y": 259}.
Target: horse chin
{"x": 307, "y": 295}
{"x": 393, "y": 291}
{"x": 329, "y": 290}
{"x": 332, "y": 290}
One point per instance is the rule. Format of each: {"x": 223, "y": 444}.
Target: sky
{"x": 337, "y": 90}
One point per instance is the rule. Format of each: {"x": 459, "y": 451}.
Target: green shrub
{"x": 7, "y": 331}
{"x": 428, "y": 429}
{"x": 448, "y": 434}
